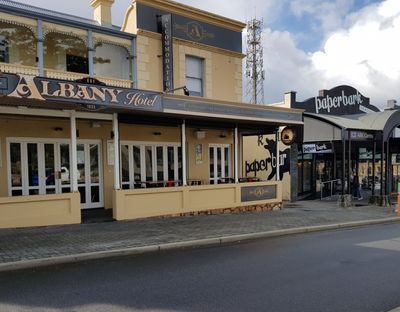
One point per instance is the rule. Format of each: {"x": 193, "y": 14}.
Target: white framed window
{"x": 143, "y": 162}
{"x": 194, "y": 75}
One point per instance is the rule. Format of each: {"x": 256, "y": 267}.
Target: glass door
{"x": 220, "y": 164}
{"x": 90, "y": 174}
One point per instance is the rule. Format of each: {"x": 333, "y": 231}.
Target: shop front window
{"x": 18, "y": 45}
{"x": 396, "y": 173}
{"x": 66, "y": 53}
{"x": 111, "y": 61}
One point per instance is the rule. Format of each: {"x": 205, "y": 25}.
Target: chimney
{"x": 290, "y": 99}
{"x": 391, "y": 104}
{"x": 102, "y": 11}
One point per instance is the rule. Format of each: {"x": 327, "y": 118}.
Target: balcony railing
{"x": 115, "y": 82}
{"x": 19, "y": 69}
{"x": 59, "y": 74}
{"x": 63, "y": 75}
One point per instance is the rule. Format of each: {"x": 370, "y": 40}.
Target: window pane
{"x": 82, "y": 191}
{"x": 136, "y": 163}
{"x": 211, "y": 162}
{"x": 34, "y": 192}
{"x": 194, "y": 67}
{"x": 219, "y": 166}
{"x": 226, "y": 149}
{"x": 80, "y": 151}
{"x": 171, "y": 163}
{"x": 16, "y": 193}
{"x": 180, "y": 176}
{"x": 194, "y": 85}
{"x": 65, "y": 52}
{"x": 194, "y": 75}
{"x": 64, "y": 153}
{"x": 15, "y": 157}
{"x": 125, "y": 163}
{"x": 33, "y": 174}
{"x": 17, "y": 45}
{"x": 95, "y": 193}
{"x": 111, "y": 61}
{"x": 149, "y": 163}
{"x": 160, "y": 163}
{"x": 94, "y": 163}
{"x": 49, "y": 164}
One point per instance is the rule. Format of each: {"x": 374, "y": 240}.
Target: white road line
{"x": 388, "y": 244}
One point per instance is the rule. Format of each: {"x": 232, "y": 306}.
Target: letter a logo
{"x": 26, "y": 88}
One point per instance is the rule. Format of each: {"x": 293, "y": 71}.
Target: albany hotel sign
{"x": 89, "y": 93}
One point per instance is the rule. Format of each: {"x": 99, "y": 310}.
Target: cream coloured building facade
{"x": 86, "y": 121}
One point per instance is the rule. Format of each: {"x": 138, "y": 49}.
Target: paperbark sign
{"x": 91, "y": 96}
{"x": 341, "y": 100}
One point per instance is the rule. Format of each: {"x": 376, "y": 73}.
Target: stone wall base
{"x": 250, "y": 208}
{"x": 379, "y": 200}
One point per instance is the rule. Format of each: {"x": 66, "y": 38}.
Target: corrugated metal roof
{"x": 378, "y": 120}
{"x": 36, "y": 11}
{"x": 375, "y": 121}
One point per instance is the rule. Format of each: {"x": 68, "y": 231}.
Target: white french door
{"x": 42, "y": 166}
{"x": 143, "y": 162}
{"x": 38, "y": 167}
{"x": 90, "y": 174}
{"x": 220, "y": 162}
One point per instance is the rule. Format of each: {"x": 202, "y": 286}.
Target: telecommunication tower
{"x": 254, "y": 63}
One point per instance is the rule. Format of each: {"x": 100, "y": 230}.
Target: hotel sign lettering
{"x": 91, "y": 96}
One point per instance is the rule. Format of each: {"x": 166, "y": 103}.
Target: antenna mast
{"x": 254, "y": 63}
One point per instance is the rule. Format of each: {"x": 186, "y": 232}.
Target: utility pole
{"x": 254, "y": 63}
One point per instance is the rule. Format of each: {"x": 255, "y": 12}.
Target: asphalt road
{"x": 345, "y": 270}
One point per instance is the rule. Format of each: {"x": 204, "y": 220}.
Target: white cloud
{"x": 367, "y": 54}
{"x": 287, "y": 67}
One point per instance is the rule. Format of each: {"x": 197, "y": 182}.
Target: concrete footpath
{"x": 33, "y": 247}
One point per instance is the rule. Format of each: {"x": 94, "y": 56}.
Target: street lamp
{"x": 184, "y": 88}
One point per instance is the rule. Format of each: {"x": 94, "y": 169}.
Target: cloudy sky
{"x": 308, "y": 44}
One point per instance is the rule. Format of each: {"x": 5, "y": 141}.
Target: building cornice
{"x": 191, "y": 44}
{"x": 194, "y": 13}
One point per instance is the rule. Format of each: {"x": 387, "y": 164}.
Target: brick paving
{"x": 55, "y": 241}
